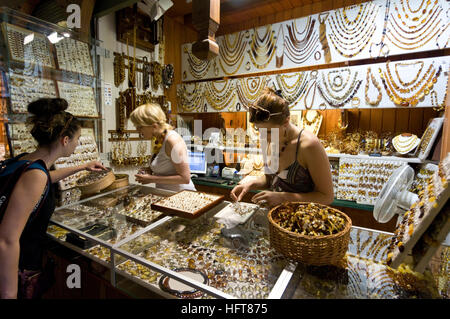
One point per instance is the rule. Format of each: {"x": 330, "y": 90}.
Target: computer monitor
{"x": 197, "y": 162}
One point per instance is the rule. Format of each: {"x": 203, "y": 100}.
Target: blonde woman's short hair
{"x": 149, "y": 114}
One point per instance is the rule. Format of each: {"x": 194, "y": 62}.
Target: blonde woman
{"x": 169, "y": 165}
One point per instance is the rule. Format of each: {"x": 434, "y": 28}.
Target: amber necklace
{"x": 198, "y": 67}
{"x": 298, "y": 51}
{"x": 220, "y": 98}
{"x": 293, "y": 92}
{"x": 313, "y": 78}
{"x": 232, "y": 54}
{"x": 262, "y": 49}
{"x": 249, "y": 89}
{"x": 191, "y": 101}
{"x": 371, "y": 77}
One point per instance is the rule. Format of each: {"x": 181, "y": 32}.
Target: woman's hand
{"x": 268, "y": 198}
{"x": 94, "y": 167}
{"x": 238, "y": 192}
{"x": 145, "y": 178}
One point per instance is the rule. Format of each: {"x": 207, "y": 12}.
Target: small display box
{"x": 187, "y": 204}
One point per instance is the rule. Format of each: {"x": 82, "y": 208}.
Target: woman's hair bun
{"x": 47, "y": 106}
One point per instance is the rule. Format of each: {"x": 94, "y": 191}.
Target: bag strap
{"x": 12, "y": 180}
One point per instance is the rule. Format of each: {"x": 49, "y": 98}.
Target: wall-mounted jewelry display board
{"x": 368, "y": 30}
{"x": 412, "y": 83}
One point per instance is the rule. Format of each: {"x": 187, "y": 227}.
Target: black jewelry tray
{"x": 98, "y": 230}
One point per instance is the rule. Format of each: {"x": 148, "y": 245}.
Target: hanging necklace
{"x": 232, "y": 54}
{"x": 198, "y": 67}
{"x": 370, "y": 77}
{"x": 323, "y": 36}
{"x": 132, "y": 65}
{"x": 119, "y": 69}
{"x": 262, "y": 49}
{"x": 249, "y": 89}
{"x": 298, "y": 51}
{"x": 315, "y": 117}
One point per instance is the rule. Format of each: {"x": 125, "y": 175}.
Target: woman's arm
{"x": 59, "y": 174}
{"x": 176, "y": 149}
{"x": 24, "y": 198}
{"x": 238, "y": 192}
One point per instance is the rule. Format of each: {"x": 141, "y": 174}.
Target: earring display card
{"x": 21, "y": 139}
{"x": 74, "y": 56}
{"x": 373, "y": 177}
{"x": 28, "y": 46}
{"x": 429, "y": 137}
{"x": 81, "y": 99}
{"x": 85, "y": 152}
{"x": 25, "y": 89}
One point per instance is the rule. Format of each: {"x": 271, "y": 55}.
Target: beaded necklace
{"x": 249, "y": 93}
{"x": 232, "y": 54}
{"x": 293, "y": 92}
{"x": 198, "y": 67}
{"x": 416, "y": 96}
{"x": 220, "y": 98}
{"x": 313, "y": 77}
{"x": 191, "y": 101}
{"x": 262, "y": 49}
{"x": 299, "y": 51}
{"x": 410, "y": 87}
{"x": 371, "y": 77}
{"x": 333, "y": 99}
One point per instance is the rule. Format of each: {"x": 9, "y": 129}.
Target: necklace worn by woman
{"x": 283, "y": 148}
{"x": 157, "y": 144}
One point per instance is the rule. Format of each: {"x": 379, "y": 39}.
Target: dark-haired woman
{"x": 23, "y": 226}
{"x": 296, "y": 168}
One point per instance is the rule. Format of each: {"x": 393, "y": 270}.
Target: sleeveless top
{"x": 162, "y": 165}
{"x": 34, "y": 235}
{"x": 294, "y": 179}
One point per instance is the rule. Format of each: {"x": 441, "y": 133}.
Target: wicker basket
{"x": 120, "y": 181}
{"x": 311, "y": 250}
{"x": 98, "y": 185}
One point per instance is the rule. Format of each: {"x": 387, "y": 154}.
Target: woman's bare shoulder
{"x": 309, "y": 140}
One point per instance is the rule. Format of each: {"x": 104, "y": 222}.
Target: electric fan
{"x": 395, "y": 197}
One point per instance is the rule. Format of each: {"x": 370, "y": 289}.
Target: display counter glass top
{"x": 241, "y": 269}
{"x": 246, "y": 267}
{"x": 111, "y": 217}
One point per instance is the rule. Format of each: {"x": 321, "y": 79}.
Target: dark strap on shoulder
{"x": 8, "y": 186}
{"x": 298, "y": 144}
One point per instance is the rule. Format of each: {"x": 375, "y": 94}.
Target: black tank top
{"x": 34, "y": 235}
{"x": 297, "y": 180}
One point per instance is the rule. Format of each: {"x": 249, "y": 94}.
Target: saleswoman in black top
{"x": 296, "y": 168}
{"x": 23, "y": 225}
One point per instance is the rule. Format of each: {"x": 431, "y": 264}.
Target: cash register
{"x": 201, "y": 171}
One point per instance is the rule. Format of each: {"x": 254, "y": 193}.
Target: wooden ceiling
{"x": 236, "y": 12}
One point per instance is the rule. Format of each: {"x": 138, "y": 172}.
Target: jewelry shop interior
{"x": 369, "y": 80}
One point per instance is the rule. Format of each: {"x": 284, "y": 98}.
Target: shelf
{"x": 330, "y": 156}
{"x": 381, "y": 158}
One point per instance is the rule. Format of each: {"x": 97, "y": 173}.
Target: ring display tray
{"x": 187, "y": 204}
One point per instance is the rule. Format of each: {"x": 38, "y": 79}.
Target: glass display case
{"x": 182, "y": 258}
{"x": 43, "y": 60}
